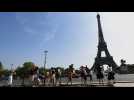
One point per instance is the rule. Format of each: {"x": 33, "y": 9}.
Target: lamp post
{"x": 45, "y": 52}
{"x": 11, "y": 68}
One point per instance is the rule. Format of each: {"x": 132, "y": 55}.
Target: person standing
{"x": 52, "y": 77}
{"x": 38, "y": 76}
{"x": 47, "y": 77}
{"x": 83, "y": 75}
{"x": 58, "y": 76}
{"x": 99, "y": 74}
{"x": 32, "y": 72}
{"x": 35, "y": 76}
{"x": 90, "y": 75}
{"x": 111, "y": 77}
{"x": 10, "y": 79}
{"x": 70, "y": 74}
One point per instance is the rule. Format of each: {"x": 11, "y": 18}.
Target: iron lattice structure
{"x": 102, "y": 47}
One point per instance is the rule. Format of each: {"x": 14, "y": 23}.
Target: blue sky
{"x": 69, "y": 37}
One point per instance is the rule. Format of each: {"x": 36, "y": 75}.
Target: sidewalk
{"x": 105, "y": 84}
{"x": 78, "y": 84}
{"x": 124, "y": 84}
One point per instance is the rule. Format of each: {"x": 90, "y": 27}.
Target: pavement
{"x": 124, "y": 84}
{"x": 121, "y": 81}
{"x": 78, "y": 84}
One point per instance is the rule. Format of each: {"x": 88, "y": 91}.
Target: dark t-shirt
{"x": 53, "y": 72}
{"x": 111, "y": 75}
{"x": 34, "y": 71}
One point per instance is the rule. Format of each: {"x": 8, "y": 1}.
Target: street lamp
{"x": 45, "y": 52}
{"x": 11, "y": 67}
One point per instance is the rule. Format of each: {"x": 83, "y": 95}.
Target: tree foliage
{"x": 24, "y": 71}
{"x": 6, "y": 72}
{"x": 1, "y": 66}
{"x": 1, "y": 69}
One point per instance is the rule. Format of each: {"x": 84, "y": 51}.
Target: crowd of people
{"x": 100, "y": 74}
{"x": 53, "y": 77}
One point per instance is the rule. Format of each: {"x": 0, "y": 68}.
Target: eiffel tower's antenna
{"x": 98, "y": 14}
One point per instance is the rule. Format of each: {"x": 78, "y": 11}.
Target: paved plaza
{"x": 121, "y": 81}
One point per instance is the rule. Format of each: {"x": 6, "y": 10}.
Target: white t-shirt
{"x": 10, "y": 79}
{"x": 85, "y": 72}
{"x": 91, "y": 72}
{"x": 59, "y": 71}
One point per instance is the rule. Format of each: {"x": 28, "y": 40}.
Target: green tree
{"x": 1, "y": 69}
{"x": 1, "y": 66}
{"x": 6, "y": 72}
{"x": 24, "y": 71}
{"x": 41, "y": 70}
{"x": 19, "y": 72}
{"x": 28, "y": 65}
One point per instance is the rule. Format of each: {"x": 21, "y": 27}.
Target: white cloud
{"x": 39, "y": 25}
{"x": 49, "y": 36}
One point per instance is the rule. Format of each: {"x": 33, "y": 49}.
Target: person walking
{"x": 35, "y": 76}
{"x": 91, "y": 75}
{"x": 83, "y": 72}
{"x": 52, "y": 77}
{"x": 99, "y": 74}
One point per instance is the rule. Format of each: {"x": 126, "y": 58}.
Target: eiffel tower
{"x": 102, "y": 47}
